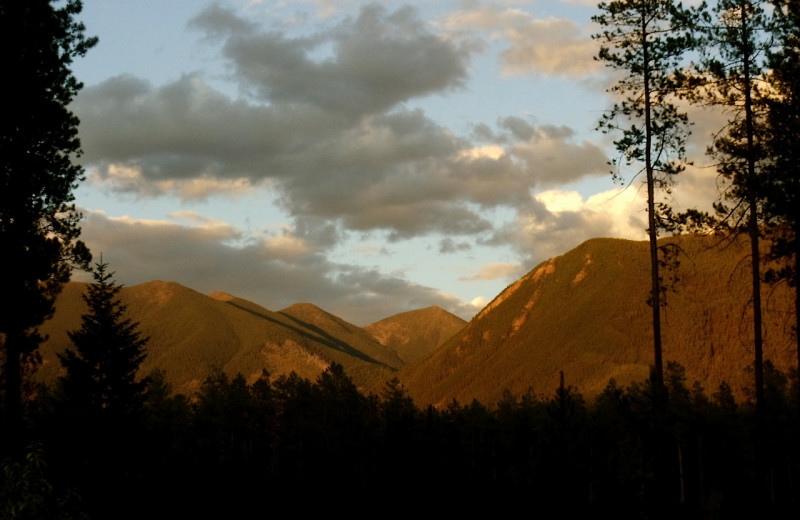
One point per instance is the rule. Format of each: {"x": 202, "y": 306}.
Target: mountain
{"x": 342, "y": 336}
{"x": 191, "y": 333}
{"x": 413, "y": 334}
{"x": 585, "y": 313}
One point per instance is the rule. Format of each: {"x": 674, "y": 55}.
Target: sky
{"x": 368, "y": 157}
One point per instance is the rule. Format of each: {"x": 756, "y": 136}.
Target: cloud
{"x": 399, "y": 171}
{"x": 325, "y": 126}
{"x": 496, "y": 270}
{"x": 478, "y": 302}
{"x": 557, "y": 201}
{"x": 562, "y": 220}
{"x": 286, "y": 247}
{"x": 377, "y": 60}
{"x": 274, "y": 272}
{"x": 448, "y": 245}
{"x": 551, "y": 46}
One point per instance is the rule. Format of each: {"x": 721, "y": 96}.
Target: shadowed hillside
{"x": 584, "y": 313}
{"x": 191, "y": 333}
{"x": 413, "y": 334}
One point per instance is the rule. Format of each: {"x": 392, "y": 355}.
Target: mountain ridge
{"x": 191, "y": 334}
{"x": 412, "y": 334}
{"x": 584, "y": 313}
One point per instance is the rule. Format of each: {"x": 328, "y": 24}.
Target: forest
{"x": 235, "y": 448}
{"x": 108, "y": 442}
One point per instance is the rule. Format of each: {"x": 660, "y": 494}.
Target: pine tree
{"x": 102, "y": 368}
{"x": 646, "y": 40}
{"x": 783, "y": 169}
{"x": 738, "y": 40}
{"x": 38, "y": 145}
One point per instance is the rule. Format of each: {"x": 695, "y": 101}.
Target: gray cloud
{"x": 203, "y": 259}
{"x": 448, "y": 245}
{"x": 378, "y": 59}
{"x": 328, "y": 132}
{"x": 398, "y": 171}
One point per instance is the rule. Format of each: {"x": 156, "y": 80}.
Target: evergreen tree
{"x": 102, "y": 368}
{"x": 38, "y": 145}
{"x": 646, "y": 40}
{"x": 783, "y": 169}
{"x": 738, "y": 39}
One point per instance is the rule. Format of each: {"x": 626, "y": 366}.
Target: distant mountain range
{"x": 583, "y": 313}
{"x": 191, "y": 333}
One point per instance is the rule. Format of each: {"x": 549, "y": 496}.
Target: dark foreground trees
{"x": 95, "y": 420}
{"x": 235, "y": 445}
{"x": 38, "y": 146}
{"x": 102, "y": 368}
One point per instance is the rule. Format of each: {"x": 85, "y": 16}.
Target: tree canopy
{"x": 102, "y": 368}
{"x": 38, "y": 173}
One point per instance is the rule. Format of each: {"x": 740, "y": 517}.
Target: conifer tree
{"x": 783, "y": 169}
{"x": 731, "y": 77}
{"x": 38, "y": 146}
{"x": 102, "y": 368}
{"x": 646, "y": 40}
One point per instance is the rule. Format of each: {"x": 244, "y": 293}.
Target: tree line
{"x": 237, "y": 445}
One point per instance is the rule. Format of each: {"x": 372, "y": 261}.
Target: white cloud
{"x": 556, "y": 201}
{"x": 478, "y": 302}
{"x": 493, "y": 152}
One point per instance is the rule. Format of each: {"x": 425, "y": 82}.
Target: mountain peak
{"x": 413, "y": 334}
{"x": 221, "y": 296}
{"x": 584, "y": 313}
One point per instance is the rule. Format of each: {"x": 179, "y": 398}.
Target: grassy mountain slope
{"x": 191, "y": 333}
{"x": 413, "y": 334}
{"x": 347, "y": 340}
{"x": 584, "y": 313}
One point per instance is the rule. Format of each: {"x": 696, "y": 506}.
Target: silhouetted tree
{"x": 38, "y": 145}
{"x": 646, "y": 40}
{"x": 731, "y": 77}
{"x": 783, "y": 167}
{"x": 101, "y": 369}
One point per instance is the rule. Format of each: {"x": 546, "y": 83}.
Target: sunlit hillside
{"x": 191, "y": 334}
{"x": 413, "y": 334}
{"x": 585, "y": 313}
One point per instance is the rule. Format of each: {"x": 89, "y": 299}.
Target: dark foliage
{"x": 236, "y": 445}
{"x": 101, "y": 369}
{"x": 38, "y": 145}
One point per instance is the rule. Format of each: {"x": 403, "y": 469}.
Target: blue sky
{"x": 368, "y": 157}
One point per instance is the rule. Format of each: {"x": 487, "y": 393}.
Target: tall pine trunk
{"x": 753, "y": 230}
{"x": 658, "y": 370}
